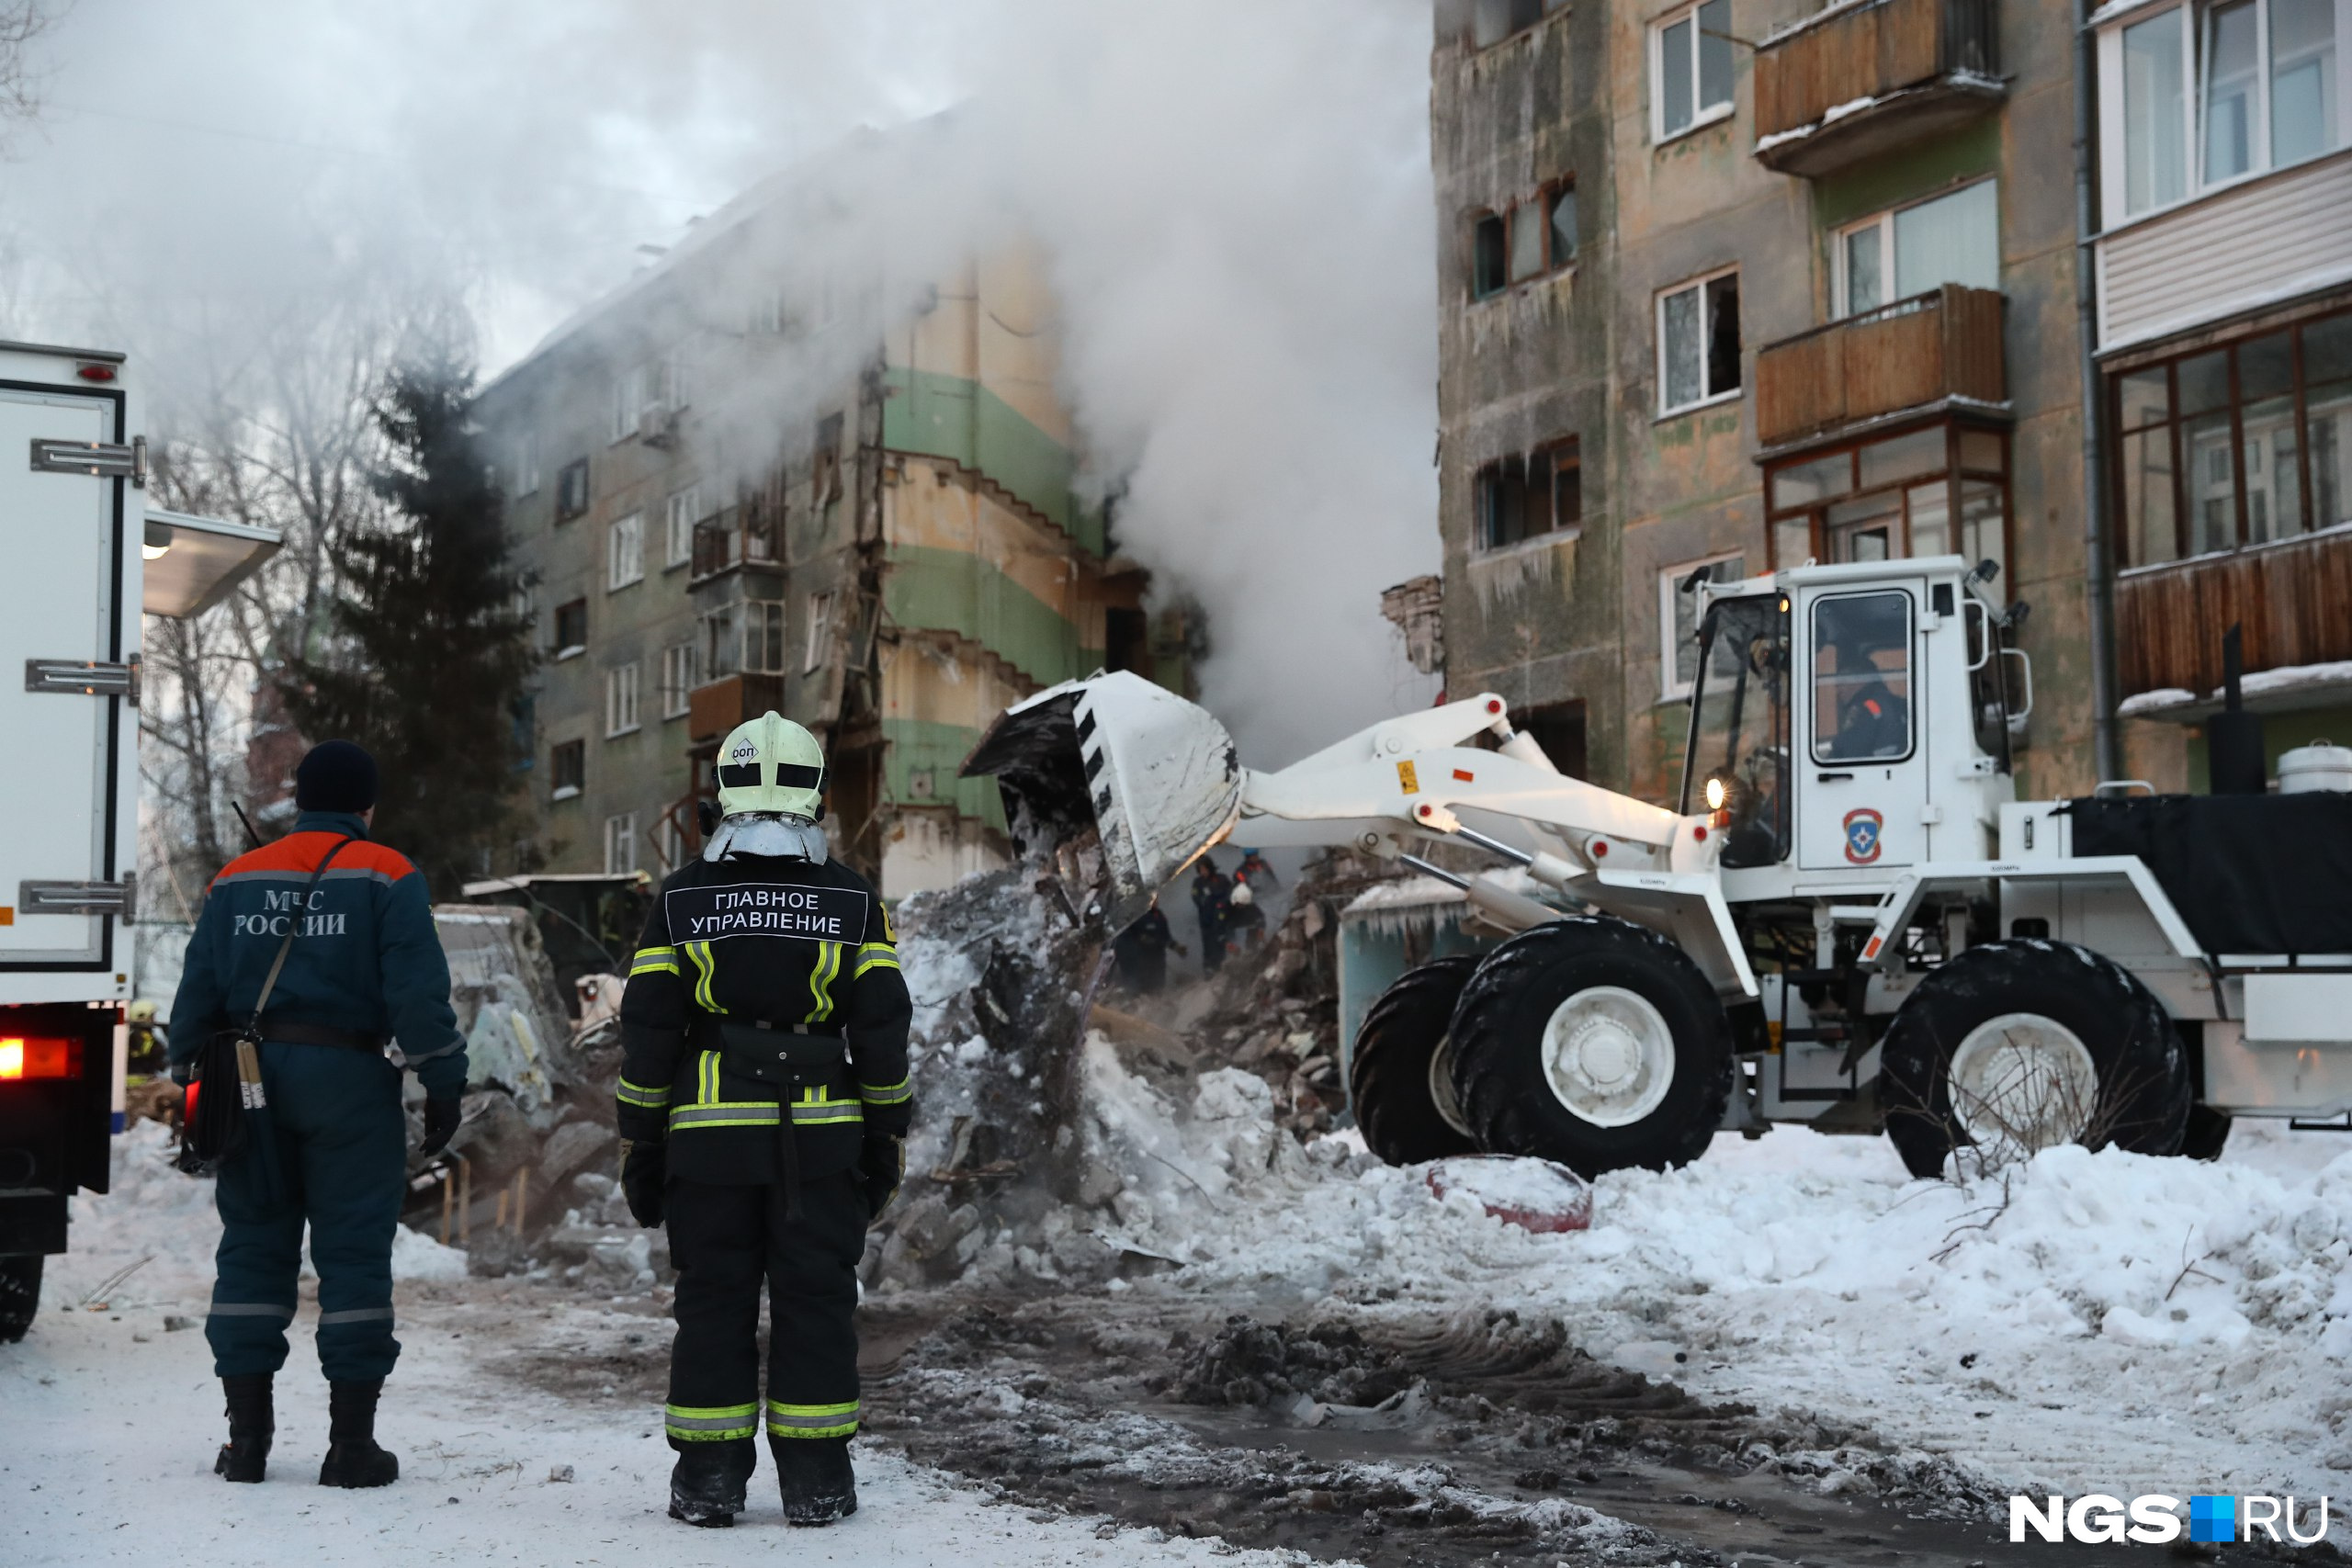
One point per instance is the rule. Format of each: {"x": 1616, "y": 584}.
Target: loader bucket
{"x": 1154, "y": 776}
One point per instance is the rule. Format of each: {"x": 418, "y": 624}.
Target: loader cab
{"x": 1850, "y": 721}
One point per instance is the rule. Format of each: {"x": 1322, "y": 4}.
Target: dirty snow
{"x": 2104, "y": 1320}
{"x": 491, "y": 1470}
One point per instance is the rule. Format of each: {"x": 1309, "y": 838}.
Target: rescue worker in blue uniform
{"x": 364, "y": 969}
{"x": 764, "y": 1105}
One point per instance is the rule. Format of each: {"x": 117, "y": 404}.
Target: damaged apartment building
{"x": 1738, "y": 284}
{"x": 817, "y": 477}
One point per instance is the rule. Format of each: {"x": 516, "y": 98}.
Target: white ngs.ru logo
{"x": 2153, "y": 1520}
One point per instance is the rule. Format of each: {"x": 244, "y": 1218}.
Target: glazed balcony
{"x": 2289, "y": 598}
{"x": 1861, "y": 80}
{"x": 739, "y": 536}
{"x": 1940, "y": 347}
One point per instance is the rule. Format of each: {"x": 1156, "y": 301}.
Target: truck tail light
{"x": 34, "y": 1056}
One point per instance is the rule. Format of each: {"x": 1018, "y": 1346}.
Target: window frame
{"x": 817, "y": 643}
{"x": 567, "y": 782}
{"x": 564, "y": 649}
{"x": 2173, "y": 422}
{"x": 1670, "y": 646}
{"x": 632, "y": 395}
{"x": 620, "y": 830}
{"x": 1500, "y": 218}
{"x": 678, "y": 542}
{"x": 527, "y": 476}
{"x": 678, "y": 680}
{"x": 624, "y": 567}
{"x": 1554, "y": 531}
{"x": 1536, "y": 209}
{"x": 1697, "y": 284}
{"x": 1955, "y": 474}
{"x": 566, "y": 509}
{"x": 2190, "y": 14}
{"x": 624, "y": 694}
{"x": 1702, "y": 115}
{"x": 1911, "y": 672}
{"x": 1841, "y": 284}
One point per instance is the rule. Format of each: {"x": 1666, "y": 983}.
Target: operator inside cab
{"x": 763, "y": 1102}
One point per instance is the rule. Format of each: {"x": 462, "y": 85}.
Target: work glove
{"x": 442, "y": 1114}
{"x": 644, "y": 1168}
{"x": 881, "y": 1165}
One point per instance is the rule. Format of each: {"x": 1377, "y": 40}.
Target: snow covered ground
{"x": 121, "y": 1417}
{"x": 2110, "y": 1322}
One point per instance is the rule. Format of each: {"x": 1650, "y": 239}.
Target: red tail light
{"x": 34, "y": 1056}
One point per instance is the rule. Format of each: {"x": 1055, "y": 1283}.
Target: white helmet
{"x": 772, "y": 765}
{"x": 770, "y": 792}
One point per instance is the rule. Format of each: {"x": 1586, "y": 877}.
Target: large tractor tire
{"x": 19, "y": 1296}
{"x": 1594, "y": 1042}
{"x": 2015, "y": 1046}
{"x": 1400, "y": 1080}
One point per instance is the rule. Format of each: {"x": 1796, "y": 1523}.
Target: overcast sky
{"x": 1234, "y": 192}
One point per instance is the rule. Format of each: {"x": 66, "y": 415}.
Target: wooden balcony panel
{"x": 1911, "y": 354}
{"x": 1917, "y": 68}
{"x": 2289, "y": 598}
{"x": 719, "y": 705}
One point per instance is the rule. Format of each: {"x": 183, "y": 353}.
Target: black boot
{"x": 353, "y": 1458}
{"x": 706, "y": 1483}
{"x": 815, "y": 1476}
{"x": 252, "y": 1421}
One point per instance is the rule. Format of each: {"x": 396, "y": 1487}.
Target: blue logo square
{"x": 2213, "y": 1519}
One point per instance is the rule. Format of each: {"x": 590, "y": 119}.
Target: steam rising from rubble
{"x": 1234, "y": 196}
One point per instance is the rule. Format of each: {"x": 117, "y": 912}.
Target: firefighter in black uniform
{"x": 764, "y": 1107}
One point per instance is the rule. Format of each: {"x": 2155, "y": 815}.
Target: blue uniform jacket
{"x": 367, "y": 960}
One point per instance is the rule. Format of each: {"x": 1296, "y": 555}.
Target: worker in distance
{"x": 319, "y": 949}
{"x": 764, "y": 1107}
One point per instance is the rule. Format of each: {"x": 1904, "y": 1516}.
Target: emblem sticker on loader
{"x": 1863, "y": 826}
{"x": 1406, "y": 777}
{"x": 811, "y": 914}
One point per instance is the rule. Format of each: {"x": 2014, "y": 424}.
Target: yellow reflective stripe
{"x": 813, "y": 1420}
{"x": 633, "y": 1094}
{"x": 820, "y": 980}
{"x": 710, "y": 1424}
{"x": 747, "y": 1113}
{"x": 707, "y": 1079}
{"x": 654, "y": 961}
{"x": 888, "y": 934}
{"x": 708, "y": 969}
{"x": 827, "y": 1115}
{"x": 886, "y": 1094}
{"x": 876, "y": 955}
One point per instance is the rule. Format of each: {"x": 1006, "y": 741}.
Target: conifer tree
{"x": 430, "y": 644}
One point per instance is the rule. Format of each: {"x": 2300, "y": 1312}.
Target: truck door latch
{"x": 83, "y": 678}
{"x": 78, "y": 898}
{"x": 99, "y": 459}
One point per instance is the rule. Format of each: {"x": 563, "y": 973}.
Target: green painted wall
{"x": 936, "y": 590}
{"x": 1881, "y": 183}
{"x": 915, "y": 746}
{"x": 951, "y": 417}
{"x": 2280, "y": 732}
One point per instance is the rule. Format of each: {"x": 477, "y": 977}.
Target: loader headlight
{"x": 1716, "y": 795}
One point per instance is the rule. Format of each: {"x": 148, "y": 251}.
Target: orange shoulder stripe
{"x": 301, "y": 852}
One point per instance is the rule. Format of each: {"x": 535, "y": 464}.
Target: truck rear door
{"x": 61, "y": 527}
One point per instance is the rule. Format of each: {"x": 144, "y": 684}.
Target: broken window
{"x": 820, "y": 633}
{"x": 1491, "y": 22}
{"x": 826, "y": 471}
{"x": 620, "y": 699}
{"x": 678, "y": 524}
{"x": 1698, "y": 342}
{"x": 1558, "y": 729}
{"x": 1527, "y": 224}
{"x": 630, "y": 388}
{"x": 570, "y": 627}
{"x": 1488, "y": 264}
{"x": 572, "y": 491}
{"x": 1126, "y": 637}
{"x": 1522, "y": 498}
{"x": 625, "y": 561}
{"x": 1560, "y": 213}
{"x": 567, "y": 768}
{"x": 526, "y": 464}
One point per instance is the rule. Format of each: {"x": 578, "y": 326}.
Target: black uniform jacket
{"x": 751, "y": 942}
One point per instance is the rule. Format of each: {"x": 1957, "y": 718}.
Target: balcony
{"x": 738, "y": 536}
{"x": 2287, "y": 597}
{"x": 714, "y": 709}
{"x": 1917, "y": 353}
{"x": 1860, "y": 79}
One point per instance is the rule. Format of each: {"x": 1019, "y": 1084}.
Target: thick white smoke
{"x": 1234, "y": 198}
